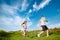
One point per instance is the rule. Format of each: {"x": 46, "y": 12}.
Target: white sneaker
{"x": 47, "y": 35}
{"x": 38, "y": 35}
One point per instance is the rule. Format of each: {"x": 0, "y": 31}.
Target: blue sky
{"x": 14, "y": 12}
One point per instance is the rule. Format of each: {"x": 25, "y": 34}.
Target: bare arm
{"x": 39, "y": 23}
{"x": 22, "y": 24}
{"x": 46, "y": 20}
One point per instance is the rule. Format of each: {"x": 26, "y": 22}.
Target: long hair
{"x": 24, "y": 22}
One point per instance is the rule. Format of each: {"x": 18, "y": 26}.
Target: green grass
{"x": 54, "y": 34}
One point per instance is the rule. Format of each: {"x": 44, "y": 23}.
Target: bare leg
{"x": 47, "y": 33}
{"x": 24, "y": 33}
{"x": 40, "y": 33}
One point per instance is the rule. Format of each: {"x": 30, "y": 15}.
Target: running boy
{"x": 42, "y": 23}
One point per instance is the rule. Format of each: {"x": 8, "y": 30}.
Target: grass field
{"x": 54, "y": 34}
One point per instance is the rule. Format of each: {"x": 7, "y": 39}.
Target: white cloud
{"x": 35, "y": 6}
{"x": 24, "y": 5}
{"x": 29, "y": 23}
{"x": 9, "y": 9}
{"x": 41, "y": 5}
{"x": 30, "y": 11}
{"x": 57, "y": 25}
{"x": 12, "y": 9}
{"x": 14, "y": 23}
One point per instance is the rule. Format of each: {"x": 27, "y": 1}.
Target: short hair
{"x": 42, "y": 16}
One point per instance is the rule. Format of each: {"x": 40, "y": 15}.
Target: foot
{"x": 38, "y": 35}
{"x": 24, "y": 35}
{"x": 47, "y": 35}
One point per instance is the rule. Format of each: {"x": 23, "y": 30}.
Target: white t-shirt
{"x": 43, "y": 21}
{"x": 25, "y": 27}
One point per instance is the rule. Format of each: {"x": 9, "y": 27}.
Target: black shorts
{"x": 44, "y": 27}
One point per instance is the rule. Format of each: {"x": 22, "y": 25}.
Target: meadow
{"x": 54, "y": 34}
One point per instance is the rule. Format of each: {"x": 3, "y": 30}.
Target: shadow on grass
{"x": 4, "y": 34}
{"x": 50, "y": 33}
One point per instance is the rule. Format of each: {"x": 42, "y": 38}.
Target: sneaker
{"x": 47, "y": 35}
{"x": 38, "y": 35}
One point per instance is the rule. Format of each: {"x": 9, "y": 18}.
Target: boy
{"x": 24, "y": 25}
{"x": 42, "y": 23}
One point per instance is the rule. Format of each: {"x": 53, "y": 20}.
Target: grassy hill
{"x": 32, "y": 35}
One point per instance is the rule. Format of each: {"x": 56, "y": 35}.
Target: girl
{"x": 24, "y": 27}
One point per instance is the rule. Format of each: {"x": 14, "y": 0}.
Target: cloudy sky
{"x": 14, "y": 12}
